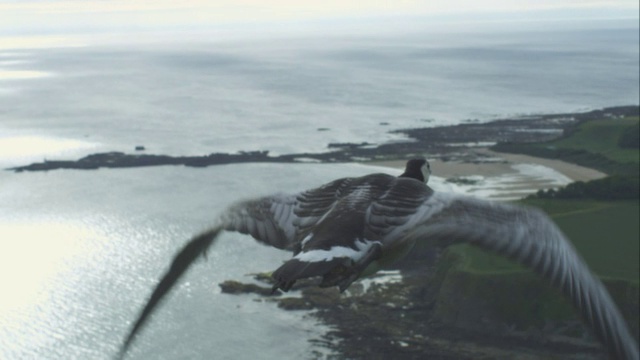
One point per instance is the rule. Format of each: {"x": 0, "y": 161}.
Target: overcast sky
{"x": 22, "y": 17}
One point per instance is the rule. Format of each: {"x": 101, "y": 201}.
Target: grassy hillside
{"x": 600, "y": 137}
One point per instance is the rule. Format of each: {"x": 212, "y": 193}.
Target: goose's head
{"x": 418, "y": 169}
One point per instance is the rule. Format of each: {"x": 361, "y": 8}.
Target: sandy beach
{"x": 509, "y": 176}
{"x": 499, "y": 164}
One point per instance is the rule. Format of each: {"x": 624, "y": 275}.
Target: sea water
{"x": 81, "y": 250}
{"x": 300, "y": 94}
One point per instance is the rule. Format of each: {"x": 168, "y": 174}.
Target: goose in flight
{"x": 351, "y": 227}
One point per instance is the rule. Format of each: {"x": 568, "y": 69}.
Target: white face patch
{"x": 336, "y": 252}
{"x": 426, "y": 171}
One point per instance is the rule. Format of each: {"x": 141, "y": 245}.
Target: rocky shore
{"x": 398, "y": 315}
{"x": 444, "y": 143}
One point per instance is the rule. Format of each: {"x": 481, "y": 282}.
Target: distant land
{"x": 442, "y": 142}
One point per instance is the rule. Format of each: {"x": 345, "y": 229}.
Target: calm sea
{"x": 80, "y": 250}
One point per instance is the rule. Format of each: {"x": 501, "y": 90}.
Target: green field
{"x": 600, "y": 136}
{"x": 606, "y": 234}
{"x": 593, "y": 144}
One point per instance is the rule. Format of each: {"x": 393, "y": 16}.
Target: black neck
{"x": 413, "y": 173}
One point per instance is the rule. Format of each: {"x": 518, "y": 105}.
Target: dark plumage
{"x": 351, "y": 227}
{"x": 414, "y": 169}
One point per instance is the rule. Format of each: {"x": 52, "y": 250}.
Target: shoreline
{"x": 491, "y": 163}
{"x": 503, "y": 176}
{"x": 459, "y": 142}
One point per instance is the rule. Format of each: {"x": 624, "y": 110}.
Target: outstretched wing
{"x": 270, "y": 220}
{"x": 529, "y": 237}
{"x": 181, "y": 262}
{"x": 279, "y": 220}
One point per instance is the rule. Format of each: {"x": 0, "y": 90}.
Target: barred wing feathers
{"x": 283, "y": 220}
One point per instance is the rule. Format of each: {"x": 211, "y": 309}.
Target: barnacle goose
{"x": 351, "y": 227}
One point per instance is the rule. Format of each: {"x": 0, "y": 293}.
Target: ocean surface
{"x": 80, "y": 250}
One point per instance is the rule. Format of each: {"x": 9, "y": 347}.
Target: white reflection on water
{"x": 22, "y": 74}
{"x": 23, "y": 146}
{"x": 22, "y": 149}
{"x": 36, "y": 257}
{"x": 34, "y": 253}
{"x": 14, "y": 43}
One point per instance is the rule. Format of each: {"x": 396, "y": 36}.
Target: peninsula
{"x": 442, "y": 142}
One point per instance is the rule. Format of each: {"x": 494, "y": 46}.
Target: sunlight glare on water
{"x": 37, "y": 255}
{"x": 80, "y": 251}
{"x": 22, "y": 74}
{"x": 43, "y": 250}
{"x": 30, "y": 147}
{"x": 40, "y": 42}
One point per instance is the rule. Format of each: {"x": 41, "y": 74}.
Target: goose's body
{"x": 350, "y": 227}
